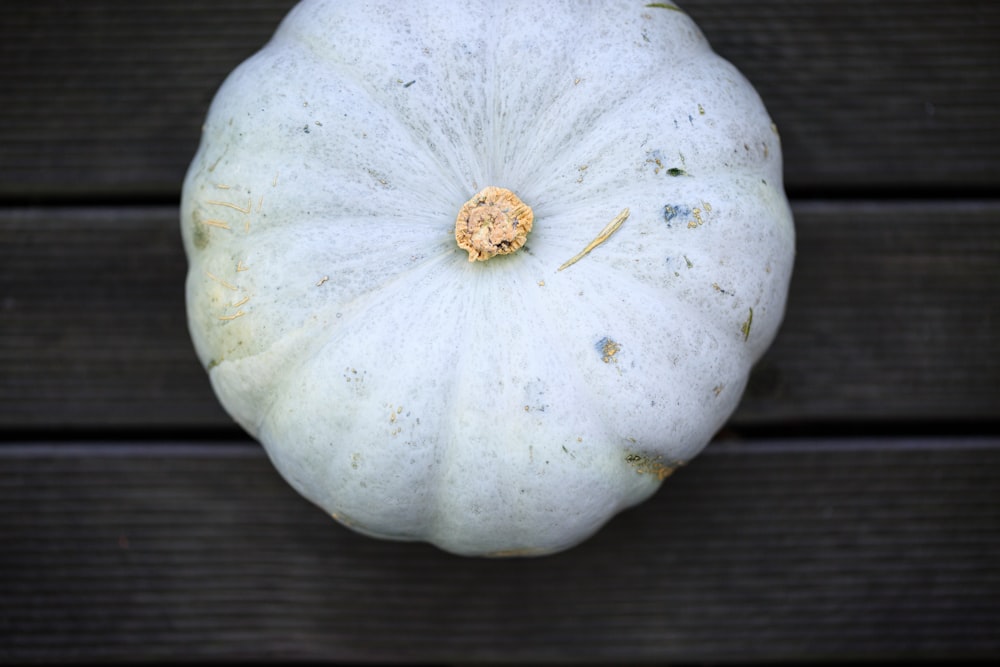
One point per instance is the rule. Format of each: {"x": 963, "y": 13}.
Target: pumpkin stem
{"x": 494, "y": 222}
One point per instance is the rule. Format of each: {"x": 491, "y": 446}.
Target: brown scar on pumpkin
{"x": 645, "y": 465}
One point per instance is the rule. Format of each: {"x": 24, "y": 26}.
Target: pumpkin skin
{"x": 497, "y": 407}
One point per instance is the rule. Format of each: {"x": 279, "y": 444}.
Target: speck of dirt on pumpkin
{"x": 608, "y": 348}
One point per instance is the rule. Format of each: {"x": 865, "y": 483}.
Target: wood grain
{"x": 891, "y": 317}
{"x": 106, "y": 98}
{"x": 772, "y": 550}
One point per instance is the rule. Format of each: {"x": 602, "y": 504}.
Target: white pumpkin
{"x": 513, "y": 404}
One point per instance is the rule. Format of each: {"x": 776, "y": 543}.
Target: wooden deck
{"x": 850, "y": 510}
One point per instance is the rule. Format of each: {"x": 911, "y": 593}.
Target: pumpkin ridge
{"x": 450, "y": 499}
{"x": 554, "y": 340}
{"x": 652, "y": 81}
{"x": 308, "y": 339}
{"x": 595, "y": 282}
{"x": 377, "y": 98}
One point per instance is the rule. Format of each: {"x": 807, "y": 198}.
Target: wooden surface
{"x": 871, "y": 549}
{"x": 851, "y": 509}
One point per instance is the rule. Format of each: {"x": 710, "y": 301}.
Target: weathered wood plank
{"x": 892, "y": 316}
{"x": 106, "y": 98}
{"x": 759, "y": 551}
{"x": 93, "y": 329}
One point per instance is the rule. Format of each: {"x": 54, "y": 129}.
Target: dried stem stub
{"x": 494, "y": 222}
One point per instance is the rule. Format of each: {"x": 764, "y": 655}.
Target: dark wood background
{"x": 850, "y": 510}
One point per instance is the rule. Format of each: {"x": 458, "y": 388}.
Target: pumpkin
{"x": 484, "y": 274}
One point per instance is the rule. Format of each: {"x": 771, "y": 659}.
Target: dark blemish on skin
{"x": 671, "y": 211}
{"x": 200, "y": 236}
